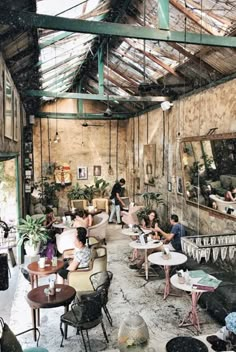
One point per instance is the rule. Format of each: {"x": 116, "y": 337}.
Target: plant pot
{"x": 31, "y": 250}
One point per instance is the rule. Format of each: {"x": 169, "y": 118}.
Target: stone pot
{"x": 31, "y": 250}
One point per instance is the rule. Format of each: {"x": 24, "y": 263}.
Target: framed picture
{"x": 8, "y": 113}
{"x": 97, "y": 170}
{"x": 82, "y": 173}
{"x": 179, "y": 185}
{"x": 16, "y": 117}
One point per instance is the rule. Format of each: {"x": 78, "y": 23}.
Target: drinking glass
{"x": 212, "y": 240}
{"x": 207, "y": 254}
{"x": 198, "y": 255}
{"x": 205, "y": 241}
{"x": 231, "y": 252}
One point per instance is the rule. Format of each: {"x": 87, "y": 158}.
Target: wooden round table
{"x": 37, "y": 299}
{"x": 35, "y": 271}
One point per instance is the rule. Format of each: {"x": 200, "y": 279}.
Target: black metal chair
{"x": 102, "y": 280}
{"x": 85, "y": 315}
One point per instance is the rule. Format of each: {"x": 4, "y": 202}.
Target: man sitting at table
{"x": 173, "y": 239}
{"x": 82, "y": 256}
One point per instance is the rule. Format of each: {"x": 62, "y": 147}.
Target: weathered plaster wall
{"x": 80, "y": 146}
{"x": 191, "y": 116}
{"x": 8, "y": 145}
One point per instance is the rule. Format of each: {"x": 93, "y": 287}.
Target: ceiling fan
{"x": 85, "y": 124}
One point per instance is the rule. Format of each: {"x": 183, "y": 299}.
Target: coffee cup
{"x": 42, "y": 263}
{"x": 54, "y": 261}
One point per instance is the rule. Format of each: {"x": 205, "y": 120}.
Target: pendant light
{"x": 57, "y": 137}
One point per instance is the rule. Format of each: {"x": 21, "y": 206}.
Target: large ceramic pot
{"x": 30, "y": 249}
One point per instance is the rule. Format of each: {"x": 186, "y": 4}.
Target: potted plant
{"x": 100, "y": 187}
{"x": 151, "y": 201}
{"x": 89, "y": 193}
{"x": 32, "y": 234}
{"x": 75, "y": 192}
{"x": 194, "y": 172}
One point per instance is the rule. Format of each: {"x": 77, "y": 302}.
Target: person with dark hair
{"x": 173, "y": 239}
{"x": 82, "y": 256}
{"x": 116, "y": 201}
{"x": 150, "y": 221}
{"x": 50, "y": 218}
{"x": 82, "y": 219}
{"x": 230, "y": 195}
{"x": 225, "y": 338}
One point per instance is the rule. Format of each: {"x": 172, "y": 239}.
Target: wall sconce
{"x": 149, "y": 167}
{"x": 169, "y": 186}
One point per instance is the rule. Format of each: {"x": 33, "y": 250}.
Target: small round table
{"x": 35, "y": 271}
{"x": 148, "y": 245}
{"x": 192, "y": 316}
{"x": 37, "y": 299}
{"x": 175, "y": 259}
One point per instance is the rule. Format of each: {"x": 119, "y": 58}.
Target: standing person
{"x": 173, "y": 239}
{"x": 82, "y": 256}
{"x": 116, "y": 201}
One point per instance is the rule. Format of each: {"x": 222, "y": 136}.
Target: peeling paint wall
{"x": 80, "y": 146}
{"x": 191, "y": 116}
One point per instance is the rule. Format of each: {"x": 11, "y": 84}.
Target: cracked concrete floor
{"x": 129, "y": 294}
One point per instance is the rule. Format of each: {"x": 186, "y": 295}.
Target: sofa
{"x": 221, "y": 186}
{"x": 222, "y": 205}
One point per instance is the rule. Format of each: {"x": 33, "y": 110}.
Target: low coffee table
{"x": 37, "y": 299}
{"x": 35, "y": 271}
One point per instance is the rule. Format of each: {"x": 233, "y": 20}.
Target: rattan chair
{"x": 84, "y": 316}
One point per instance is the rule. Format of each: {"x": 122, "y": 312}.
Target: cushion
{"x": 226, "y": 181}
{"x": 9, "y": 342}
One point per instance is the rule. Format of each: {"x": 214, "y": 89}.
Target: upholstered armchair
{"x": 98, "y": 230}
{"x": 101, "y": 204}
{"x": 79, "y": 279}
{"x": 79, "y": 203}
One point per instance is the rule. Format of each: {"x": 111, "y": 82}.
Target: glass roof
{"x": 63, "y": 53}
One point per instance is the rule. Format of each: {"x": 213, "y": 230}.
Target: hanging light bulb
{"x": 56, "y": 138}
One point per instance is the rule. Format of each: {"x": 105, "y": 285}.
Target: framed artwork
{"x": 8, "y": 113}
{"x": 97, "y": 170}
{"x": 16, "y": 117}
{"x": 82, "y": 173}
{"x": 149, "y": 162}
{"x": 179, "y": 185}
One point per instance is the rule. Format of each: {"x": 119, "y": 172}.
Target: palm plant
{"x": 151, "y": 201}
{"x": 100, "y": 186}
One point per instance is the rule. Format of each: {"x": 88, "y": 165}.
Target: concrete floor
{"x": 129, "y": 294}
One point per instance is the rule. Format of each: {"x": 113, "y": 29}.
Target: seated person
{"x": 173, "y": 239}
{"x": 230, "y": 195}
{"x": 82, "y": 256}
{"x": 151, "y": 222}
{"x": 50, "y": 218}
{"x": 225, "y": 338}
{"x": 148, "y": 222}
{"x": 82, "y": 219}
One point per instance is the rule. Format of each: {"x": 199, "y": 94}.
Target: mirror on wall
{"x": 209, "y": 172}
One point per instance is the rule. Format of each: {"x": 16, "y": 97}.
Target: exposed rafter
{"x": 29, "y": 19}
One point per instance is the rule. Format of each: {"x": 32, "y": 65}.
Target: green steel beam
{"x": 29, "y": 19}
{"x": 80, "y": 105}
{"x": 100, "y": 71}
{"x": 44, "y": 93}
{"x": 82, "y": 116}
{"x": 163, "y": 14}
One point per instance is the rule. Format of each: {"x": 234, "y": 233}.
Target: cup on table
{"x": 42, "y": 262}
{"x": 54, "y": 261}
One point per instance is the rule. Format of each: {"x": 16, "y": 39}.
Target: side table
{"x": 175, "y": 259}
{"x": 37, "y": 299}
{"x": 192, "y": 316}
{"x": 148, "y": 245}
{"x": 35, "y": 271}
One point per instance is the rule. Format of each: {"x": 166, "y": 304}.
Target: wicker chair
{"x": 101, "y": 204}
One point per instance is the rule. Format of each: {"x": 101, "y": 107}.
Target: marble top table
{"x": 130, "y": 232}
{"x": 192, "y": 316}
{"x": 149, "y": 245}
{"x": 175, "y": 259}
